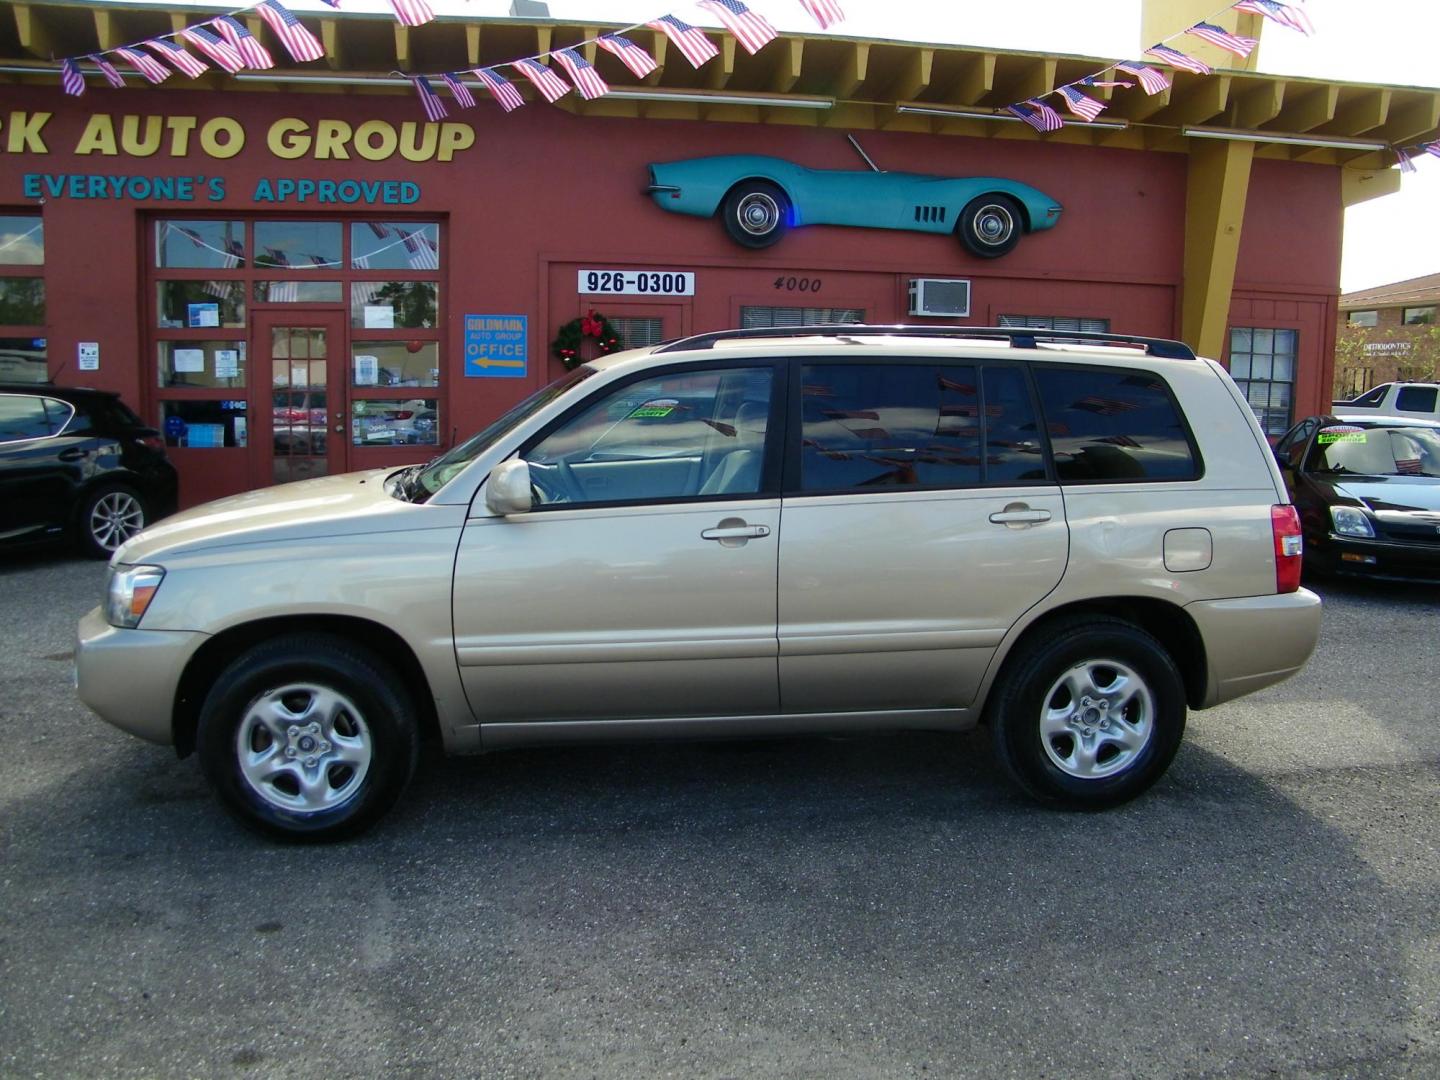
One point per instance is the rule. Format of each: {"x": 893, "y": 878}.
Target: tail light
{"x": 151, "y": 442}
{"x": 1289, "y": 544}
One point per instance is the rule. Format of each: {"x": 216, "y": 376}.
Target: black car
{"x": 78, "y": 462}
{"x": 1368, "y": 492}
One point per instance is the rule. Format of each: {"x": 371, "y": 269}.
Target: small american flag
{"x": 423, "y": 256}
{"x": 412, "y": 12}
{"x": 1406, "y": 164}
{"x": 71, "y": 79}
{"x": 277, "y": 257}
{"x": 107, "y": 69}
{"x": 283, "y": 292}
{"x": 1223, "y": 39}
{"x": 298, "y": 42}
{"x": 151, "y": 68}
{"x": 1082, "y": 105}
{"x": 178, "y": 57}
{"x": 1176, "y": 58}
{"x": 1037, "y": 114}
{"x": 1284, "y": 14}
{"x": 1094, "y": 80}
{"x": 1409, "y": 466}
{"x": 218, "y": 289}
{"x": 824, "y": 12}
{"x": 640, "y": 62}
{"x": 459, "y": 91}
{"x": 245, "y": 43}
{"x": 360, "y": 262}
{"x": 1431, "y": 148}
{"x": 379, "y": 228}
{"x": 320, "y": 260}
{"x": 696, "y": 47}
{"x": 750, "y": 29}
{"x": 429, "y": 100}
{"x": 222, "y": 53}
{"x": 500, "y": 89}
{"x": 234, "y": 254}
{"x": 1152, "y": 80}
{"x": 582, "y": 73}
{"x": 545, "y": 80}
{"x": 191, "y": 235}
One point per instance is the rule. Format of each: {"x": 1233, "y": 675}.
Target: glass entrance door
{"x": 305, "y": 356}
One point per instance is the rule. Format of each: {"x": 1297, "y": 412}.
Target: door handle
{"x": 736, "y": 532}
{"x": 1020, "y": 514}
{"x": 73, "y": 454}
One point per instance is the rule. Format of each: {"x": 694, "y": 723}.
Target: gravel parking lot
{"x": 864, "y": 907}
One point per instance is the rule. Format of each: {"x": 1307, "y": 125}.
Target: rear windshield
{"x": 1346, "y": 449}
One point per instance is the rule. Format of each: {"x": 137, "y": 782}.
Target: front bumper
{"x": 129, "y": 677}
{"x": 1255, "y": 641}
{"x": 1372, "y": 558}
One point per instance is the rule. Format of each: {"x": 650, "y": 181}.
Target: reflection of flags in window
{"x": 234, "y": 254}
{"x": 360, "y": 262}
{"x": 276, "y": 256}
{"x": 189, "y": 234}
{"x": 283, "y": 292}
{"x": 218, "y": 289}
{"x": 423, "y": 253}
{"x": 363, "y": 292}
{"x": 1104, "y": 406}
{"x": 379, "y": 228}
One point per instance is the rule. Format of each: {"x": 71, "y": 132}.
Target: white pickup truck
{"x": 1418, "y": 399}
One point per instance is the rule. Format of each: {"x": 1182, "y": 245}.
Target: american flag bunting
{"x": 582, "y": 73}
{"x": 412, "y": 12}
{"x": 148, "y": 66}
{"x": 750, "y": 29}
{"x": 277, "y": 256}
{"x": 459, "y": 91}
{"x": 1037, "y": 114}
{"x": 298, "y": 41}
{"x": 505, "y": 95}
{"x": 173, "y": 54}
{"x": 825, "y": 12}
{"x": 696, "y": 47}
{"x": 71, "y": 79}
{"x": 1406, "y": 164}
{"x": 1431, "y": 148}
{"x": 1152, "y": 80}
{"x": 1176, "y": 58}
{"x": 1082, "y": 105}
{"x": 423, "y": 252}
{"x": 545, "y": 80}
{"x": 1223, "y": 39}
{"x": 113, "y": 77}
{"x": 434, "y": 108}
{"x": 245, "y": 43}
{"x": 1095, "y": 81}
{"x": 640, "y": 62}
{"x": 379, "y": 228}
{"x": 1284, "y": 14}
{"x": 221, "y": 53}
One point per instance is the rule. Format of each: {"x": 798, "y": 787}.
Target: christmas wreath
{"x": 571, "y": 337}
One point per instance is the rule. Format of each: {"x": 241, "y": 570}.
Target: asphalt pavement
{"x": 867, "y": 907}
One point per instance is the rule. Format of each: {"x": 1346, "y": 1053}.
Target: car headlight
{"x": 128, "y": 593}
{"x": 1350, "y": 521}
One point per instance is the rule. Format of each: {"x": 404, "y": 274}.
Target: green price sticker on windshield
{"x": 1338, "y": 436}
{"x": 654, "y": 410}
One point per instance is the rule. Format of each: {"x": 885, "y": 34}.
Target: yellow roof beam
{"x": 1258, "y": 106}
{"x": 658, "y": 41}
{"x": 721, "y": 69}
{"x": 1307, "y": 112}
{"x": 1412, "y": 121}
{"x": 104, "y": 30}
{"x": 472, "y": 44}
{"x": 334, "y": 47}
{"x": 1203, "y": 101}
{"x": 852, "y": 71}
{"x": 915, "y": 75}
{"x": 787, "y": 71}
{"x": 1217, "y": 184}
{"x": 402, "y": 46}
{"x": 34, "y": 37}
{"x": 1035, "y": 80}
{"x": 976, "y": 80}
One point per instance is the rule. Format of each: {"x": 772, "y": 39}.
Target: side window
{"x": 22, "y": 417}
{"x": 1014, "y": 451}
{"x": 58, "y": 413}
{"x": 1293, "y": 449}
{"x": 1416, "y": 399}
{"x": 684, "y": 435}
{"x": 1110, "y": 425}
{"x": 1374, "y": 397}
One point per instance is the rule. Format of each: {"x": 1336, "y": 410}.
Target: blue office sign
{"x": 496, "y": 346}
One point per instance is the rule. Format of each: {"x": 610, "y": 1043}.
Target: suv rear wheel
{"x": 308, "y": 738}
{"x": 1089, "y": 715}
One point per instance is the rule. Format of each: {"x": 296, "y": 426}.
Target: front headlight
{"x": 1350, "y": 521}
{"x": 129, "y": 592}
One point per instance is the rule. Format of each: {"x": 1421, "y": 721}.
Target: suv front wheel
{"x": 308, "y": 737}
{"x": 1090, "y": 714}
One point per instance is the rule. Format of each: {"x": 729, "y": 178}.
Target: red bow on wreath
{"x": 591, "y": 326}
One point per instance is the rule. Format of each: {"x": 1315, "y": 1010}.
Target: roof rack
{"x": 1019, "y": 337}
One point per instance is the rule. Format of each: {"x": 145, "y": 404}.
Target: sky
{"x": 1378, "y": 41}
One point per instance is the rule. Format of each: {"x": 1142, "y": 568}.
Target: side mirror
{"x": 507, "y": 491}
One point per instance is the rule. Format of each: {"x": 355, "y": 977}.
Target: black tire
{"x": 293, "y": 683}
{"x": 107, "y": 517}
{"x": 756, "y": 213}
{"x": 991, "y": 226}
{"x": 1123, "y": 761}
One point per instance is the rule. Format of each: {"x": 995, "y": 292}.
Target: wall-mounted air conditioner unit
{"x": 940, "y": 296}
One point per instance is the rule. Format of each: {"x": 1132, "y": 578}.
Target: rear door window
{"x": 1110, "y": 425}
{"x": 916, "y": 425}
{"x": 23, "y": 417}
{"x": 1416, "y": 399}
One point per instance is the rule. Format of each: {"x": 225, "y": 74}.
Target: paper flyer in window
{"x": 190, "y": 360}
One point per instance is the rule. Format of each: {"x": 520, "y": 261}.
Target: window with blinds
{"x": 756, "y": 317}
{"x": 637, "y": 333}
{"x": 1057, "y": 322}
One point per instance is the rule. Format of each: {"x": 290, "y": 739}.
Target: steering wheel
{"x": 555, "y": 482}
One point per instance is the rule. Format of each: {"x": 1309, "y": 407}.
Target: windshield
{"x": 439, "y": 472}
{"x": 1376, "y": 451}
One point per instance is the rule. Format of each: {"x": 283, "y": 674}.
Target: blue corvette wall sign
{"x": 759, "y": 198}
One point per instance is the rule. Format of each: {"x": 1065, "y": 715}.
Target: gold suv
{"x": 1070, "y": 538}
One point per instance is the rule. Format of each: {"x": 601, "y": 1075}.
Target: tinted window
{"x": 916, "y": 425}
{"x": 1113, "y": 425}
{"x": 1416, "y": 399}
{"x": 1373, "y": 397}
{"x": 22, "y": 418}
{"x": 673, "y": 436}
{"x": 1347, "y": 449}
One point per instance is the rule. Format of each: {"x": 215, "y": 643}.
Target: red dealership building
{"x": 298, "y": 273}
